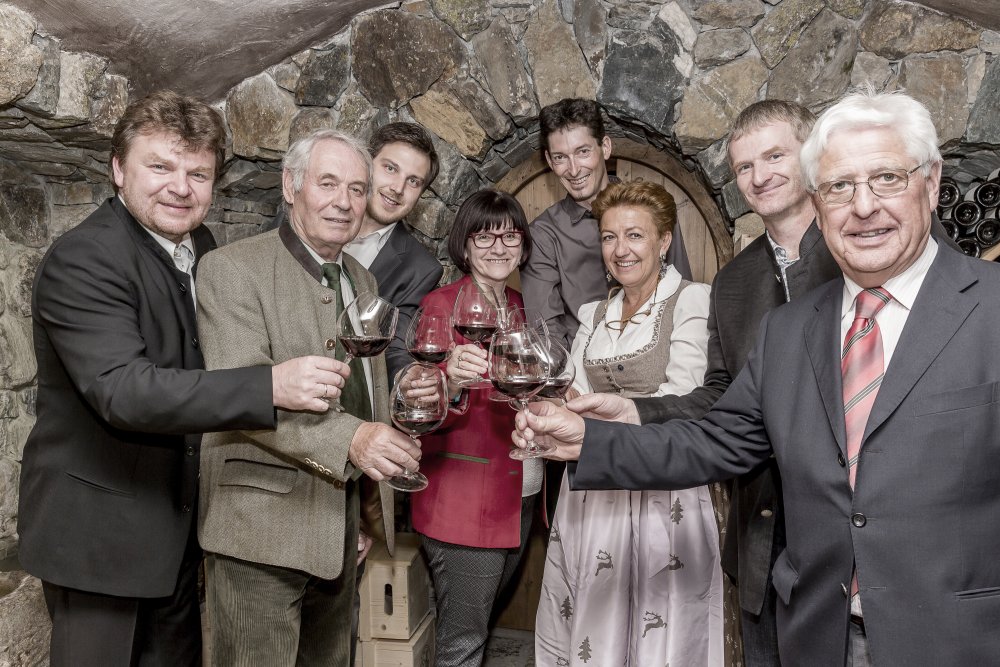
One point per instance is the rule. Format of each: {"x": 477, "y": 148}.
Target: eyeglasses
{"x": 883, "y": 184}
{"x": 485, "y": 240}
{"x": 637, "y": 318}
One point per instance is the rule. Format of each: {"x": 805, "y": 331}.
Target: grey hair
{"x": 867, "y": 109}
{"x": 296, "y": 160}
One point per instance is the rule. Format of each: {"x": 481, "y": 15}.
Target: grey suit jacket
{"x": 278, "y": 497}
{"x": 405, "y": 272}
{"x": 921, "y": 523}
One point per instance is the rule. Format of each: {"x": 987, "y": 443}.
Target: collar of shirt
{"x": 366, "y": 248}
{"x": 892, "y": 318}
{"x": 173, "y": 249}
{"x": 780, "y": 254}
{"x": 320, "y": 261}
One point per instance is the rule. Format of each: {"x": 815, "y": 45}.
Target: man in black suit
{"x": 109, "y": 476}
{"x": 405, "y": 164}
{"x": 863, "y": 393}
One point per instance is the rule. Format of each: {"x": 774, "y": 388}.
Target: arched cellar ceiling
{"x": 199, "y": 47}
{"x": 204, "y": 47}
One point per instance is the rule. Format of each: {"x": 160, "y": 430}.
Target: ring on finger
{"x": 326, "y": 390}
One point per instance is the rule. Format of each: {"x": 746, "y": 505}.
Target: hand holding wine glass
{"x": 519, "y": 369}
{"x": 418, "y": 405}
{"x": 429, "y": 337}
{"x": 476, "y": 318}
{"x": 366, "y": 326}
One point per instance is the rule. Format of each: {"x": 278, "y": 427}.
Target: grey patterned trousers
{"x": 467, "y": 581}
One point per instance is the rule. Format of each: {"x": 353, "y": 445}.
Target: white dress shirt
{"x": 366, "y": 248}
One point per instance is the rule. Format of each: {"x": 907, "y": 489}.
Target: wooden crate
{"x": 417, "y": 651}
{"x": 394, "y": 591}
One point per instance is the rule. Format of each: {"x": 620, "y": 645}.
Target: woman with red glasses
{"x": 475, "y": 513}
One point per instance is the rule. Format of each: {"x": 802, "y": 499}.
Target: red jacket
{"x": 474, "y": 493}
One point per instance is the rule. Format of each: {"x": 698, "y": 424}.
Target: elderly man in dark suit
{"x": 863, "y": 392}
{"x": 109, "y": 476}
{"x": 280, "y": 509}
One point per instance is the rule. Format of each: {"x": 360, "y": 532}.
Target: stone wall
{"x": 672, "y": 74}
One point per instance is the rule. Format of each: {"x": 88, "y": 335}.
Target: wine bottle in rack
{"x": 987, "y": 231}
{"x": 987, "y": 194}
{"x": 967, "y": 212}
{"x": 948, "y": 193}
{"x": 969, "y": 246}
{"x": 951, "y": 228}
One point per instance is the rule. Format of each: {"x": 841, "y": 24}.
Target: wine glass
{"x": 428, "y": 338}
{"x": 562, "y": 372}
{"x": 519, "y": 369}
{"x": 476, "y": 318}
{"x": 419, "y": 405}
{"x": 366, "y": 326}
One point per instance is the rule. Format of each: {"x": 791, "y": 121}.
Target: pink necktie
{"x": 862, "y": 367}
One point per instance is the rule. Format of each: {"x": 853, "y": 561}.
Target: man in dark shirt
{"x": 566, "y": 270}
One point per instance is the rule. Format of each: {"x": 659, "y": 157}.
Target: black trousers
{"x": 95, "y": 630}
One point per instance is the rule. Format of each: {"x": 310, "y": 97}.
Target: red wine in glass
{"x": 476, "y": 318}
{"x": 365, "y": 346}
{"x": 418, "y": 406}
{"x": 429, "y": 336}
{"x": 556, "y": 388}
{"x": 519, "y": 369}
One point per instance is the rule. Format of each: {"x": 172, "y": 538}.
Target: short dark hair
{"x": 487, "y": 210}
{"x": 198, "y": 125}
{"x": 411, "y": 134}
{"x": 570, "y": 112}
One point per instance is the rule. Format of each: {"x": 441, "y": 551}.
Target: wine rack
{"x": 972, "y": 218}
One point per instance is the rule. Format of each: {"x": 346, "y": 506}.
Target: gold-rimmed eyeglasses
{"x": 885, "y": 183}
{"x": 637, "y": 318}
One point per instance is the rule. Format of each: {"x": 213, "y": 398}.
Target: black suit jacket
{"x": 743, "y": 292}
{"x": 109, "y": 475}
{"x": 405, "y": 272}
{"x": 921, "y": 522}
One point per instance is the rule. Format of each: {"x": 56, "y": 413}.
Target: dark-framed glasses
{"x": 885, "y": 183}
{"x": 484, "y": 240}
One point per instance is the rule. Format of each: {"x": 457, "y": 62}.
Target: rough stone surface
{"x": 8, "y": 481}
{"x": 23, "y": 278}
{"x": 457, "y": 178}
{"x": 818, "y": 69}
{"x": 728, "y": 13}
{"x": 310, "y": 119}
{"x": 984, "y": 121}
{"x": 634, "y": 61}
{"x": 710, "y": 104}
{"x": 397, "y": 56}
{"x": 260, "y": 116}
{"x": 717, "y": 47}
{"x": 590, "y": 25}
{"x": 894, "y": 29}
{"x": 556, "y": 60}
{"x": 504, "y": 70}
{"x": 17, "y": 355}
{"x": 432, "y": 218}
{"x": 20, "y": 60}
{"x": 445, "y": 114}
{"x": 65, "y": 218}
{"x": 975, "y": 70}
{"x": 24, "y": 621}
{"x": 672, "y": 15}
{"x": 286, "y": 75}
{"x": 629, "y": 16}
{"x": 714, "y": 160}
{"x": 44, "y": 96}
{"x": 938, "y": 81}
{"x": 24, "y": 210}
{"x": 78, "y": 73}
{"x": 466, "y": 17}
{"x": 851, "y": 9}
{"x": 780, "y": 29}
{"x": 750, "y": 225}
{"x": 990, "y": 42}
{"x": 356, "y": 115}
{"x": 674, "y": 29}
{"x": 324, "y": 77}
{"x": 110, "y": 100}
{"x": 870, "y": 68}
{"x": 733, "y": 202}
